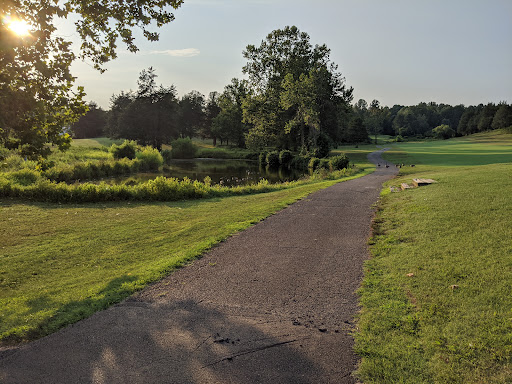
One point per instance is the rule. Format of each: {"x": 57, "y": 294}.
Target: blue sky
{"x": 395, "y": 51}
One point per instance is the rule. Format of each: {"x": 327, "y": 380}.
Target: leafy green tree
{"x": 357, "y": 132}
{"x": 486, "y": 116}
{"x": 212, "y": 110}
{"x": 191, "y": 114}
{"x": 92, "y": 124}
{"x": 468, "y": 122}
{"x": 410, "y": 121}
{"x": 443, "y": 131}
{"x": 300, "y": 97}
{"x": 503, "y": 117}
{"x": 37, "y": 94}
{"x": 361, "y": 108}
{"x": 288, "y": 52}
{"x": 118, "y": 104}
{"x": 148, "y": 116}
{"x": 374, "y": 119}
{"x": 229, "y": 125}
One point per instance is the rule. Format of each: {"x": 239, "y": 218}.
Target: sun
{"x": 19, "y": 27}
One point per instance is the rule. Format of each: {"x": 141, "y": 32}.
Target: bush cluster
{"x": 24, "y": 177}
{"x": 272, "y": 159}
{"x": 148, "y": 159}
{"x": 339, "y": 162}
{"x": 4, "y": 152}
{"x": 126, "y": 149}
{"x": 285, "y": 157}
{"x": 334, "y": 163}
{"x": 183, "y": 148}
{"x": 159, "y": 189}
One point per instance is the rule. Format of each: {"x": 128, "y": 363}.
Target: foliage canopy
{"x": 37, "y": 94}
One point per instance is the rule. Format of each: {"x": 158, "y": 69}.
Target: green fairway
{"x": 436, "y": 298}
{"x": 478, "y": 149}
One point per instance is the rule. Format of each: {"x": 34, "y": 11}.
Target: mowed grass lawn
{"x": 61, "y": 263}
{"x": 437, "y": 293}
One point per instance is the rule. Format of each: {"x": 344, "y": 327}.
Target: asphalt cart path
{"x": 272, "y": 304}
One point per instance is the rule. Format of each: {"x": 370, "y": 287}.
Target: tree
{"x": 410, "y": 121}
{"x": 228, "y": 124}
{"x": 361, "y": 108}
{"x": 300, "y": 96}
{"x": 212, "y": 110}
{"x": 148, "y": 116}
{"x": 374, "y": 119}
{"x": 288, "y": 52}
{"x": 191, "y": 114}
{"x": 92, "y": 124}
{"x": 357, "y": 132}
{"x": 503, "y": 117}
{"x": 486, "y": 116}
{"x": 443, "y": 132}
{"x": 37, "y": 95}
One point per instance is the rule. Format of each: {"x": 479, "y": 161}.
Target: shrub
{"x": 24, "y": 177}
{"x": 324, "y": 164}
{"x": 127, "y": 149}
{"x": 314, "y": 162}
{"x": 322, "y": 145}
{"x": 150, "y": 158}
{"x": 285, "y": 157}
{"x": 300, "y": 162}
{"x": 12, "y": 162}
{"x": 273, "y": 159}
{"x": 4, "y": 152}
{"x": 339, "y": 162}
{"x": 262, "y": 158}
{"x": 183, "y": 149}
{"x": 167, "y": 156}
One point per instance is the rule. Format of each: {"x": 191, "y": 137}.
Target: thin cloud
{"x": 187, "y": 52}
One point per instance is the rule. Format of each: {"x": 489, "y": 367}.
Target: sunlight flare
{"x": 18, "y": 26}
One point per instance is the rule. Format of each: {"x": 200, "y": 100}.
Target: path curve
{"x": 272, "y": 304}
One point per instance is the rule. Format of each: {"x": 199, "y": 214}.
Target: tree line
{"x": 432, "y": 119}
{"x": 293, "y": 98}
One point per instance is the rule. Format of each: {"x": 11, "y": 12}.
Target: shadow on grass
{"x": 69, "y": 313}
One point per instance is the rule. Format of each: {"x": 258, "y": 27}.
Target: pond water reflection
{"x": 225, "y": 172}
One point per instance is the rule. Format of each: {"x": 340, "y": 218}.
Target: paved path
{"x": 273, "y": 304}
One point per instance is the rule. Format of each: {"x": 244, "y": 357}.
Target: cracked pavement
{"x": 272, "y": 304}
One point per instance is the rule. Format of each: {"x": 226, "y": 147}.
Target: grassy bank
{"x": 436, "y": 303}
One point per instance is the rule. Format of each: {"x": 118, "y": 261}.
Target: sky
{"x": 396, "y": 51}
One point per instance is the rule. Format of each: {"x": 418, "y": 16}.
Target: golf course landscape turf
{"x": 60, "y": 263}
{"x": 435, "y": 300}
{"x": 436, "y": 297}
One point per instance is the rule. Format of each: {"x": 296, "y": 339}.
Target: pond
{"x": 224, "y": 172}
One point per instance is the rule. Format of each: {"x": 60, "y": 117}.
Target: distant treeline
{"x": 432, "y": 119}
{"x": 294, "y": 99}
